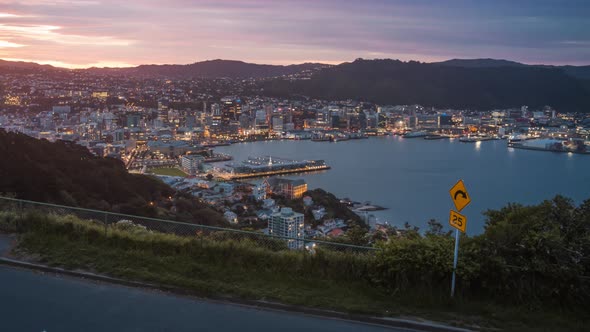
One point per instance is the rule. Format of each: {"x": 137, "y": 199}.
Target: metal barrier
{"x": 139, "y": 224}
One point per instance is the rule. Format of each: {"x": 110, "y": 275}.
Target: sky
{"x": 85, "y": 33}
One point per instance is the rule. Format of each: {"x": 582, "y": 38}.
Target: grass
{"x": 243, "y": 270}
{"x": 170, "y": 171}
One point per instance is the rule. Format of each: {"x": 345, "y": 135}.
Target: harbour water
{"x": 412, "y": 177}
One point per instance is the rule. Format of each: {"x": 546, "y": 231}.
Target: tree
{"x": 357, "y": 236}
{"x": 434, "y": 227}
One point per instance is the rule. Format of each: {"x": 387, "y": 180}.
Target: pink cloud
{"x": 81, "y": 32}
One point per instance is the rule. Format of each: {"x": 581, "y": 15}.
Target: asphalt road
{"x": 31, "y": 301}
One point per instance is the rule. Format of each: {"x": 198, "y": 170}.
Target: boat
{"x": 357, "y": 136}
{"x": 433, "y": 137}
{"x": 338, "y": 138}
{"x": 468, "y": 139}
{"x": 517, "y": 138}
{"x": 473, "y": 139}
{"x": 415, "y": 134}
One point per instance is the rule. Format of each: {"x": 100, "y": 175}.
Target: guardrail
{"x": 136, "y": 223}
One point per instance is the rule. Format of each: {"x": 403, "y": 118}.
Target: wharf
{"x": 278, "y": 172}
{"x": 539, "y": 148}
{"x": 267, "y": 166}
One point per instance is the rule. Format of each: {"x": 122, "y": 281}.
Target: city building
{"x": 287, "y": 223}
{"x": 290, "y": 188}
{"x": 191, "y": 163}
{"x": 259, "y": 191}
{"x": 61, "y": 109}
{"x": 171, "y": 148}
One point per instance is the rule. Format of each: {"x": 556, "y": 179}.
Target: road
{"x": 36, "y": 302}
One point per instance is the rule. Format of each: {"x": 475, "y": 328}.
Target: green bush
{"x": 528, "y": 255}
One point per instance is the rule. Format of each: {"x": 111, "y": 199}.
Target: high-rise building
{"x": 287, "y": 223}
{"x": 230, "y": 115}
{"x": 133, "y": 120}
{"x": 277, "y": 123}
{"x": 215, "y": 118}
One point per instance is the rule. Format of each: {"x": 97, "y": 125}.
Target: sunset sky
{"x": 83, "y": 33}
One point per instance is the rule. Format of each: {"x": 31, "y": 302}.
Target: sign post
{"x": 461, "y": 199}
{"x": 456, "y": 257}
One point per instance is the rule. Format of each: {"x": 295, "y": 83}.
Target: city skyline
{"x": 80, "y": 34}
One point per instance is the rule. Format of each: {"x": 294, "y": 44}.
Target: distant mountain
{"x": 23, "y": 67}
{"x": 460, "y": 83}
{"x": 478, "y": 85}
{"x": 210, "y": 69}
{"x": 581, "y": 72}
{"x": 204, "y": 69}
{"x": 480, "y": 63}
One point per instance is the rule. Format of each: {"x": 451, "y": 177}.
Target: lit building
{"x": 289, "y": 188}
{"x": 103, "y": 95}
{"x": 215, "y": 118}
{"x": 172, "y": 148}
{"x": 191, "y": 163}
{"x": 287, "y": 223}
{"x": 445, "y": 121}
{"x": 230, "y": 115}
{"x": 133, "y": 120}
{"x": 277, "y": 123}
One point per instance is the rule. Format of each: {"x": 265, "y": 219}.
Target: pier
{"x": 269, "y": 166}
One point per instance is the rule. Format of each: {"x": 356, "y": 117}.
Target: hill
{"x": 25, "y": 67}
{"x": 210, "y": 69}
{"x": 67, "y": 173}
{"x": 480, "y": 63}
{"x": 205, "y": 69}
{"x": 579, "y": 72}
{"x": 431, "y": 84}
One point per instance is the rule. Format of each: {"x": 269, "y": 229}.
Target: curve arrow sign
{"x": 460, "y": 192}
{"x": 460, "y": 196}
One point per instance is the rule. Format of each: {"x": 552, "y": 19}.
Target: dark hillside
{"x": 67, "y": 173}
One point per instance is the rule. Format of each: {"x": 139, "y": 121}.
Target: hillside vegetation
{"x": 405, "y": 83}
{"x": 67, "y": 173}
{"x": 528, "y": 271}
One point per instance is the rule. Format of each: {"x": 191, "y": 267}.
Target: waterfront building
{"x": 277, "y": 123}
{"x": 445, "y": 121}
{"x": 171, "y": 148}
{"x": 264, "y": 166}
{"x": 287, "y": 223}
{"x": 290, "y": 188}
{"x": 192, "y": 163}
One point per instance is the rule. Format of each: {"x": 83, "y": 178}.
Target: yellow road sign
{"x": 458, "y": 221}
{"x": 460, "y": 196}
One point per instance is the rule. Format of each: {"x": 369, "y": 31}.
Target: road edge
{"x": 374, "y": 320}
